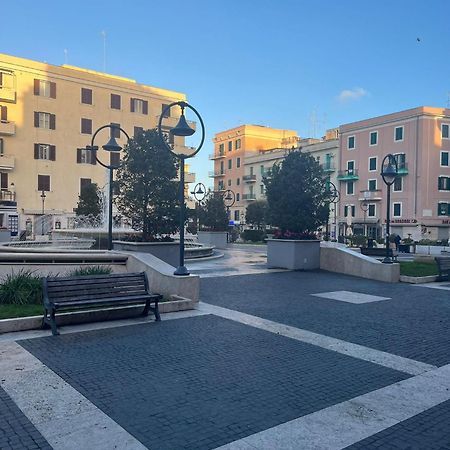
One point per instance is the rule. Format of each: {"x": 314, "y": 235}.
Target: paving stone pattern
{"x": 429, "y": 430}
{"x": 415, "y": 323}
{"x": 202, "y": 382}
{"x": 16, "y": 431}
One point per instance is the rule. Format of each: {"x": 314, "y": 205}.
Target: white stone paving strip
{"x": 395, "y": 362}
{"x": 344, "y": 424}
{"x": 351, "y": 297}
{"x": 436, "y": 285}
{"x": 66, "y": 419}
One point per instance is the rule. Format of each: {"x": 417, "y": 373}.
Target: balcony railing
{"x": 8, "y": 198}
{"x": 249, "y": 178}
{"x": 217, "y": 155}
{"x": 7, "y": 162}
{"x": 189, "y": 177}
{"x": 7, "y": 128}
{"x": 248, "y": 197}
{"x": 328, "y": 167}
{"x": 171, "y": 122}
{"x": 348, "y": 175}
{"x": 267, "y": 173}
{"x": 216, "y": 174}
{"x": 402, "y": 168}
{"x": 7, "y": 94}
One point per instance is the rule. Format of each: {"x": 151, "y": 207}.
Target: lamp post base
{"x": 387, "y": 260}
{"x": 181, "y": 270}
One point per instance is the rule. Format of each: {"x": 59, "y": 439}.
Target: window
{"x": 444, "y": 159}
{"x": 230, "y": 164}
{"x": 237, "y": 144}
{"x": 238, "y": 196}
{"x": 221, "y": 149}
{"x": 236, "y": 214}
{"x": 222, "y": 169}
{"x": 4, "y": 185}
{"x": 45, "y": 151}
{"x": 349, "y": 210}
{"x": 86, "y": 96}
{"x": 85, "y": 156}
{"x": 43, "y": 183}
{"x": 238, "y": 182}
{"x": 238, "y": 162}
{"x": 115, "y": 132}
{"x": 351, "y": 142}
{"x": 350, "y": 167}
{"x": 398, "y": 134}
{"x": 372, "y": 210}
{"x": 45, "y": 88}
{"x": 373, "y": 137}
{"x": 251, "y": 170}
{"x": 44, "y": 120}
{"x": 444, "y": 183}
{"x": 229, "y": 183}
{"x": 2, "y": 147}
{"x": 350, "y": 188}
{"x": 138, "y": 106}
{"x": 86, "y": 126}
{"x": 443, "y": 209}
{"x": 261, "y": 189}
{"x": 4, "y": 113}
{"x": 401, "y": 160}
{"x": 261, "y": 170}
{"x": 398, "y": 184}
{"x": 138, "y": 130}
{"x": 373, "y": 164}
{"x": 230, "y": 146}
{"x": 115, "y": 101}
{"x": 372, "y": 185}
{"x": 397, "y": 209}
{"x": 445, "y": 130}
{"x": 165, "y": 112}
{"x": 84, "y": 183}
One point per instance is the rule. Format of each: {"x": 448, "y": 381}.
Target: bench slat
{"x": 54, "y": 290}
{"x": 98, "y": 295}
{"x": 99, "y": 281}
{"x": 108, "y": 301}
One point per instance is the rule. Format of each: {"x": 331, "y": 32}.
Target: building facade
{"x": 48, "y": 116}
{"x": 420, "y": 196}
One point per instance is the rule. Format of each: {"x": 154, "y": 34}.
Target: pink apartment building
{"x": 420, "y": 200}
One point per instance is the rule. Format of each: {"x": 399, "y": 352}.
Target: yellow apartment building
{"x": 231, "y": 148}
{"x": 48, "y": 116}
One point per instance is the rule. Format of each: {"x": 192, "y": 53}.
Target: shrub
{"x": 90, "y": 270}
{"x": 253, "y": 235}
{"x": 21, "y": 288}
{"x": 358, "y": 240}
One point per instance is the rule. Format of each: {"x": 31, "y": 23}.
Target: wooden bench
{"x": 443, "y": 263}
{"x": 87, "y": 292}
{"x": 368, "y": 251}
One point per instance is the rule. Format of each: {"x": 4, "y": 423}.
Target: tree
{"x": 297, "y": 195}
{"x": 213, "y": 215}
{"x": 147, "y": 180}
{"x": 89, "y": 201}
{"x": 256, "y": 214}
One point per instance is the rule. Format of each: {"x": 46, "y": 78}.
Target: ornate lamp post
{"x": 389, "y": 172}
{"x": 113, "y": 147}
{"x": 365, "y": 207}
{"x": 182, "y": 129}
{"x": 43, "y": 196}
{"x": 199, "y": 193}
{"x": 333, "y": 197}
{"x": 229, "y": 198}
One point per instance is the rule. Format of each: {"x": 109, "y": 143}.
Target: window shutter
{"x": 52, "y": 90}
{"x": 36, "y": 87}
{"x": 145, "y": 107}
{"x": 4, "y": 180}
{"x": 36, "y": 119}
{"x": 52, "y": 122}
{"x": 132, "y": 104}
{"x": 4, "y": 113}
{"x": 114, "y": 159}
{"x": 52, "y": 153}
{"x": 36, "y": 151}
{"x": 78, "y": 155}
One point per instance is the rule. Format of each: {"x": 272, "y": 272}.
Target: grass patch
{"x": 10, "y": 311}
{"x": 418, "y": 269}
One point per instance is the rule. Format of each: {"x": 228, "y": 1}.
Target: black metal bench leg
{"x": 146, "y": 308}
{"x": 156, "y": 311}
{"x": 53, "y": 323}
{"x": 45, "y": 320}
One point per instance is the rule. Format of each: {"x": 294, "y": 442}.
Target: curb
{"x": 417, "y": 280}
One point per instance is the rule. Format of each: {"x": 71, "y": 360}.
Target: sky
{"x": 298, "y": 65}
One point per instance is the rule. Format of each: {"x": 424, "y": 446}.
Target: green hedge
{"x": 253, "y": 235}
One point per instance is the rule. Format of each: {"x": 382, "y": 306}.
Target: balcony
{"x": 183, "y": 150}
{"x": 402, "y": 168}
{"x": 8, "y": 198}
{"x": 267, "y": 173}
{"x": 7, "y": 128}
{"x": 328, "y": 167}
{"x": 249, "y": 197}
{"x": 249, "y": 178}
{"x": 7, "y": 162}
{"x": 217, "y": 156}
{"x": 216, "y": 174}
{"x": 348, "y": 175}
{"x": 371, "y": 196}
{"x": 7, "y": 94}
{"x": 189, "y": 177}
{"x": 171, "y": 122}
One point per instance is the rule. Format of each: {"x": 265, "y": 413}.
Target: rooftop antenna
{"x": 103, "y": 33}
{"x": 66, "y": 58}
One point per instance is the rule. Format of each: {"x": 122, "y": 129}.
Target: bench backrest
{"x": 61, "y": 289}
{"x": 443, "y": 263}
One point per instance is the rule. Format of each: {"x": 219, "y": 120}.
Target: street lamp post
{"x": 229, "y": 199}
{"x": 389, "y": 172}
{"x": 365, "y": 207}
{"x": 182, "y": 129}
{"x": 333, "y": 197}
{"x": 43, "y": 196}
{"x": 199, "y": 193}
{"x": 113, "y": 147}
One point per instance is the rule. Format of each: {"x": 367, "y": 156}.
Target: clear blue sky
{"x": 252, "y": 61}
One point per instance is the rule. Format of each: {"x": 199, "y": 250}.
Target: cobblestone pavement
{"x": 415, "y": 323}
{"x": 202, "y": 382}
{"x": 16, "y": 431}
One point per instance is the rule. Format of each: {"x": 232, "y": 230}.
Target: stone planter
{"x": 168, "y": 252}
{"x": 217, "y": 239}
{"x": 292, "y": 254}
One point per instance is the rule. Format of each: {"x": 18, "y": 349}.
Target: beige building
{"x": 48, "y": 116}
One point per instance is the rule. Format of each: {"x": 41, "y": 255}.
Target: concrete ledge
{"x": 344, "y": 260}
{"x": 417, "y": 280}
{"x": 98, "y": 315}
